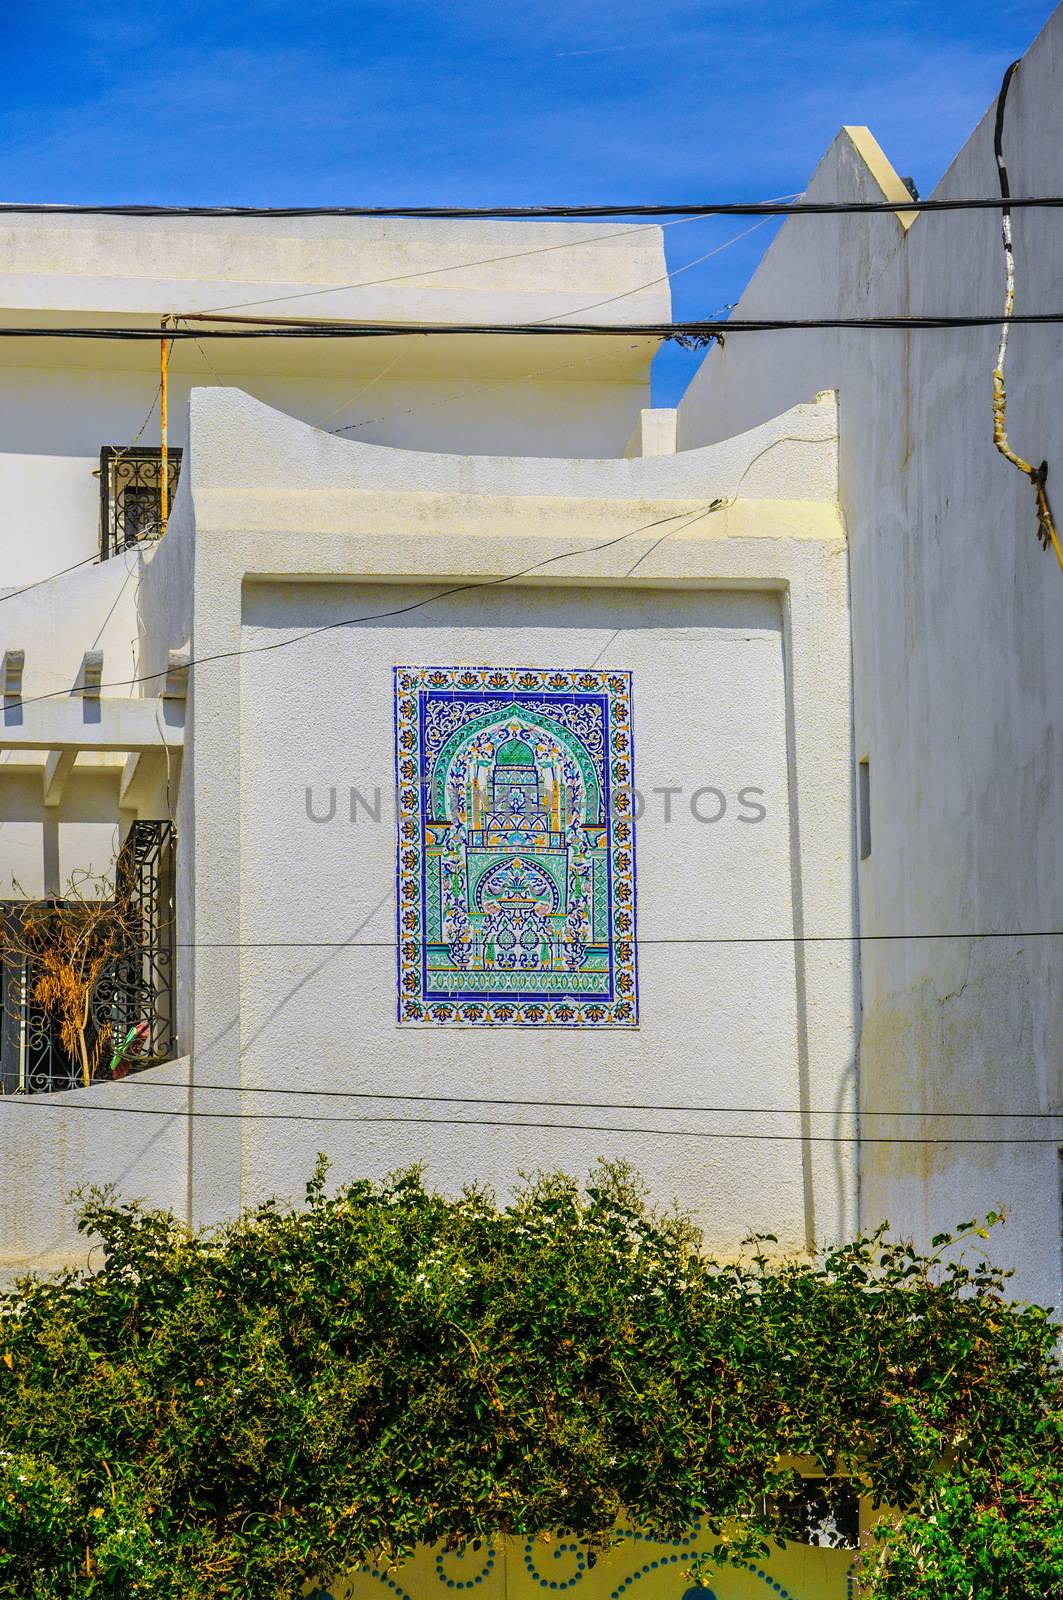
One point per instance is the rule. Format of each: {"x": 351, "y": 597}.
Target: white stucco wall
{"x": 719, "y": 1024}
{"x": 52, "y": 1146}
{"x": 736, "y": 628}
{"x": 957, "y": 655}
{"x": 55, "y": 624}
{"x": 53, "y": 423}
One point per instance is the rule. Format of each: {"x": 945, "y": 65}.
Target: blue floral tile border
{"x": 516, "y": 847}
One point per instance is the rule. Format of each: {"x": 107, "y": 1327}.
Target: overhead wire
{"x": 695, "y": 940}
{"x": 12, "y": 594}
{"x": 371, "y": 383}
{"x": 667, "y": 277}
{"x": 140, "y": 1080}
{"x": 524, "y": 377}
{"x": 696, "y": 208}
{"x": 672, "y": 940}
{"x": 54, "y": 1103}
{"x": 455, "y": 266}
{"x": 694, "y": 333}
{"x": 396, "y": 611}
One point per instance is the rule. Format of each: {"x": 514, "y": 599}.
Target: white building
{"x": 506, "y": 509}
{"x": 716, "y": 578}
{"x": 957, "y": 655}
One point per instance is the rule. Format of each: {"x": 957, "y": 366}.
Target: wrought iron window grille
{"x": 131, "y": 1013}
{"x": 130, "y": 503}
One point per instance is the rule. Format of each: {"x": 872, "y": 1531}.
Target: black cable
{"x": 573, "y": 1105}
{"x": 398, "y": 611}
{"x": 95, "y": 557}
{"x": 13, "y": 594}
{"x": 452, "y": 266}
{"x": 729, "y": 208}
{"x": 693, "y": 334}
{"x": 55, "y": 1103}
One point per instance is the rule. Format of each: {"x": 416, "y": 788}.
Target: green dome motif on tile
{"x": 514, "y": 753}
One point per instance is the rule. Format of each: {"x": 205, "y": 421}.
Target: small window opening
{"x": 824, "y": 1512}
{"x": 864, "y": 801}
{"x": 130, "y": 502}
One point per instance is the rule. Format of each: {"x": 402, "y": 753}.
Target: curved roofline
{"x": 239, "y": 444}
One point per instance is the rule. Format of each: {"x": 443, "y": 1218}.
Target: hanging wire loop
{"x": 1046, "y": 527}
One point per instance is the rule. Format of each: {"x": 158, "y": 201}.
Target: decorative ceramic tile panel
{"x": 516, "y": 847}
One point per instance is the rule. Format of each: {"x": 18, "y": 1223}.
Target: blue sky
{"x": 473, "y": 102}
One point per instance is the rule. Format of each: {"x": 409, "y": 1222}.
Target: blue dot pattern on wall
{"x": 479, "y": 1548}
{"x": 560, "y": 1564}
{"x": 669, "y": 1561}
{"x": 559, "y": 1552}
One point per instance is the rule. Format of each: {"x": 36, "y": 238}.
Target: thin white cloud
{"x": 599, "y": 50}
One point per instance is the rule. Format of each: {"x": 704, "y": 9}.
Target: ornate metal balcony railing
{"x": 130, "y": 503}
{"x": 131, "y": 1009}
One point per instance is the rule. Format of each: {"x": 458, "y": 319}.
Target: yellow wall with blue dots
{"x": 637, "y": 1568}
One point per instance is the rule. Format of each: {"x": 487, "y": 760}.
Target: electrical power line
{"x": 454, "y": 266}
{"x": 666, "y": 277}
{"x": 580, "y": 1105}
{"x": 694, "y": 334}
{"x": 696, "y": 208}
{"x": 13, "y": 594}
{"x": 414, "y": 605}
{"x": 54, "y": 1103}
{"x": 711, "y": 940}
{"x": 708, "y": 940}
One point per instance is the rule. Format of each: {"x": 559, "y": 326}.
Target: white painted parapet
{"x": 52, "y": 1145}
{"x": 654, "y": 434}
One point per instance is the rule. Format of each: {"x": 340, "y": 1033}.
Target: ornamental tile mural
{"x": 516, "y": 847}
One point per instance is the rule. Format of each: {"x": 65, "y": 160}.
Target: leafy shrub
{"x": 233, "y": 1412}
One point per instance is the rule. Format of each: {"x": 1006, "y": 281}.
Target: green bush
{"x": 233, "y": 1412}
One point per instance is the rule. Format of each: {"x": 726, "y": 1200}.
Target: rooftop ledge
{"x": 251, "y": 462}
{"x": 357, "y": 268}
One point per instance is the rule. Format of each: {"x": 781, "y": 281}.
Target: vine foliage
{"x": 239, "y": 1412}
